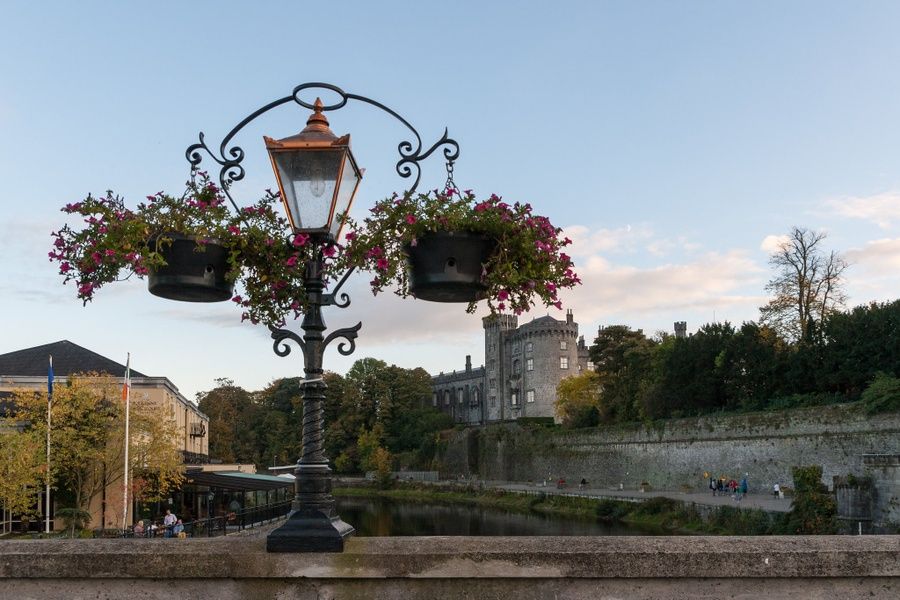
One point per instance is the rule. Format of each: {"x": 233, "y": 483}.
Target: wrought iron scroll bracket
{"x": 280, "y": 346}
{"x": 344, "y": 302}
{"x": 230, "y": 158}
{"x": 349, "y": 334}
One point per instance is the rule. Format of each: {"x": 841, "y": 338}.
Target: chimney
{"x": 569, "y": 317}
{"x": 468, "y": 362}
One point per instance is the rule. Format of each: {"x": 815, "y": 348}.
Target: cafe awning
{"x": 237, "y": 481}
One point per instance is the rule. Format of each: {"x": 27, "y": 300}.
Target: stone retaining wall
{"x": 676, "y": 454}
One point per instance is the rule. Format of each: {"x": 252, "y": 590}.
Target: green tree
{"x": 578, "y": 400}
{"x": 232, "y": 419}
{"x": 22, "y": 468}
{"x": 807, "y": 285}
{"x": 87, "y": 439}
{"x": 620, "y": 356}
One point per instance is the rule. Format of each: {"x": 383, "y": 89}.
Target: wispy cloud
{"x": 882, "y": 209}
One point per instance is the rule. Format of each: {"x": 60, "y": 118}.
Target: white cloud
{"x": 623, "y": 239}
{"x": 882, "y": 209}
{"x": 773, "y": 243}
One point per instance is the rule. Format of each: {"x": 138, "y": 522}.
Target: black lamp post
{"x": 318, "y": 178}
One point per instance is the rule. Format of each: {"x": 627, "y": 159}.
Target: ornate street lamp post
{"x": 318, "y": 178}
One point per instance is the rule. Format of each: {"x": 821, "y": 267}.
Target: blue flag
{"x": 50, "y": 378}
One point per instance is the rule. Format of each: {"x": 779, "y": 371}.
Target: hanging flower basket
{"x": 450, "y": 247}
{"x": 193, "y": 272}
{"x": 446, "y": 266}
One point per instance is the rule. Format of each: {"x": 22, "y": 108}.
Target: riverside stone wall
{"x": 675, "y": 455}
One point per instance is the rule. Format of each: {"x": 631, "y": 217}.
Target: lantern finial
{"x": 317, "y": 122}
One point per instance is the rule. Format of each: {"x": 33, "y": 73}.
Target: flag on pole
{"x": 127, "y": 383}
{"x": 47, "y": 489}
{"x": 50, "y": 377}
{"x": 126, "y": 480}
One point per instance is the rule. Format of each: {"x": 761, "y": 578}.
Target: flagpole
{"x": 127, "y": 419}
{"x": 49, "y": 404}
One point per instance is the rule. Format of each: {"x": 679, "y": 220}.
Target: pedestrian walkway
{"x": 761, "y": 501}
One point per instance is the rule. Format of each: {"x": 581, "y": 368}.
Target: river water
{"x": 381, "y": 517}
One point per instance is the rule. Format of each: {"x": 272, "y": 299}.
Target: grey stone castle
{"x": 523, "y": 366}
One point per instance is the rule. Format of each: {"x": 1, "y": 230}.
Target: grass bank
{"x": 662, "y": 514}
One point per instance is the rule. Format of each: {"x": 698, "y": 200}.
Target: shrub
{"x": 882, "y": 395}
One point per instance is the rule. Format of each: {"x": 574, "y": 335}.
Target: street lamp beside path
{"x": 318, "y": 178}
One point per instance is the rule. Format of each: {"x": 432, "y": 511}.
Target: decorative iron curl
{"x": 349, "y": 334}
{"x": 280, "y": 346}
{"x": 344, "y": 302}
{"x": 231, "y": 169}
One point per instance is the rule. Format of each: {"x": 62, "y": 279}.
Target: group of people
{"x": 171, "y": 526}
{"x": 723, "y": 486}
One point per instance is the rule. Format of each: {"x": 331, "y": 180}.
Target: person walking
{"x": 712, "y": 485}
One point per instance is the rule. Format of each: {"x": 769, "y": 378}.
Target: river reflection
{"x": 381, "y": 517}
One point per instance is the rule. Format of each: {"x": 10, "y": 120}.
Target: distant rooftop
{"x": 68, "y": 358}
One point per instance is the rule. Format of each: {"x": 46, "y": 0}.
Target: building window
{"x": 459, "y": 395}
{"x": 517, "y": 347}
{"x": 529, "y": 364}
{"x": 563, "y": 362}
{"x": 447, "y": 398}
{"x": 434, "y": 399}
{"x": 514, "y": 398}
{"x": 493, "y": 364}
{"x": 529, "y": 347}
{"x": 474, "y": 400}
{"x": 590, "y": 366}
{"x": 529, "y": 396}
{"x": 493, "y": 386}
{"x": 493, "y": 401}
{"x": 517, "y": 367}
{"x": 564, "y": 345}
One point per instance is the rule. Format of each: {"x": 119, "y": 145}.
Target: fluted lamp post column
{"x": 318, "y": 178}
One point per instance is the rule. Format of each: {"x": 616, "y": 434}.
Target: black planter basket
{"x": 191, "y": 275}
{"x": 446, "y": 266}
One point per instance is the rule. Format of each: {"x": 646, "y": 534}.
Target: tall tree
{"x": 620, "y": 356}
{"x": 232, "y": 414}
{"x": 807, "y": 286}
{"x": 87, "y": 438}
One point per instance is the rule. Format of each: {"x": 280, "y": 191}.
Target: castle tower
{"x": 496, "y": 329}
{"x": 681, "y": 329}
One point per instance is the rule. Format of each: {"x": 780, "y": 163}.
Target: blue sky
{"x": 672, "y": 140}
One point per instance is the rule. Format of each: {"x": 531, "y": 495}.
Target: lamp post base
{"x": 309, "y": 530}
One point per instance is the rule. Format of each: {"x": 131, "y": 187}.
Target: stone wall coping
{"x": 244, "y": 557}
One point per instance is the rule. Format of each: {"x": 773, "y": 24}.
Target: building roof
{"x": 68, "y": 358}
{"x": 237, "y": 481}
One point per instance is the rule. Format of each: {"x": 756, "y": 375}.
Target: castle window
{"x": 493, "y": 386}
{"x": 514, "y": 398}
{"x": 529, "y": 364}
{"x": 517, "y": 347}
{"x": 517, "y": 367}
{"x": 447, "y": 398}
{"x": 563, "y": 362}
{"x": 434, "y": 399}
{"x": 529, "y": 347}
{"x": 493, "y": 401}
{"x": 529, "y": 396}
{"x": 564, "y": 345}
{"x": 474, "y": 400}
{"x": 459, "y": 395}
{"x": 493, "y": 364}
